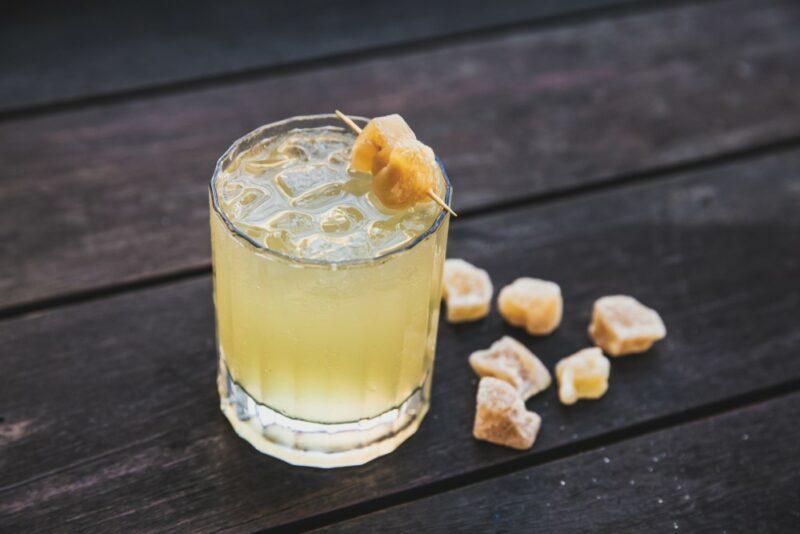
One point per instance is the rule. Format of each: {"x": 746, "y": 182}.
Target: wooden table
{"x": 650, "y": 148}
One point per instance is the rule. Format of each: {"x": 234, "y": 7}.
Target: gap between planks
{"x": 613, "y": 437}
{"x": 344, "y": 58}
{"x": 613, "y": 182}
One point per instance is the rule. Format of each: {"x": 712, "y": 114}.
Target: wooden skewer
{"x": 357, "y": 129}
{"x": 441, "y": 203}
{"x": 349, "y": 122}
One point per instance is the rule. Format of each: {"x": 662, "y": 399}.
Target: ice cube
{"x": 255, "y": 232}
{"x": 339, "y": 157}
{"x": 264, "y": 165}
{"x": 279, "y": 241}
{"x": 292, "y": 221}
{"x": 296, "y": 181}
{"x": 246, "y": 206}
{"x": 341, "y": 219}
{"x": 353, "y": 246}
{"x": 384, "y": 233}
{"x": 359, "y": 184}
{"x": 320, "y": 197}
{"x": 321, "y": 147}
{"x": 230, "y": 191}
{"x": 290, "y": 150}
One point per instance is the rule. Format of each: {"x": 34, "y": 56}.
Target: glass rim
{"x": 262, "y": 247}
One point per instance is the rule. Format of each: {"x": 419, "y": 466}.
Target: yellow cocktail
{"x": 327, "y": 302}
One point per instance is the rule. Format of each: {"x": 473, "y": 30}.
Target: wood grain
{"x": 116, "y": 193}
{"x": 111, "y": 420}
{"x": 733, "y": 473}
{"x": 91, "y": 48}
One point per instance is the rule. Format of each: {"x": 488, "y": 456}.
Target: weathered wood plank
{"x": 96, "y": 48}
{"x": 114, "y": 193}
{"x": 111, "y": 416}
{"x": 736, "y": 472}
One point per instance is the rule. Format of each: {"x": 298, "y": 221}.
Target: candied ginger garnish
{"x": 501, "y": 417}
{"x": 622, "y": 325}
{"x": 409, "y": 174}
{"x": 404, "y": 169}
{"x": 583, "y": 375}
{"x": 531, "y": 303}
{"x": 511, "y": 361}
{"x": 380, "y": 133}
{"x": 467, "y": 291}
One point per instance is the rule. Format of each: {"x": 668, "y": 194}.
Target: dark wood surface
{"x": 145, "y": 361}
{"x": 651, "y": 149}
{"x": 654, "y": 483}
{"x": 51, "y": 51}
{"x": 108, "y": 195}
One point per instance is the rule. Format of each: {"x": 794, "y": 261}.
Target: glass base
{"x": 300, "y": 442}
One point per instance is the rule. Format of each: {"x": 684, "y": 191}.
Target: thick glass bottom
{"x": 311, "y": 444}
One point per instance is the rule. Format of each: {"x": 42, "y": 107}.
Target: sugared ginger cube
{"x": 623, "y": 325}
{"x": 584, "y": 375}
{"x": 501, "y": 417}
{"x": 409, "y": 173}
{"x": 533, "y": 304}
{"x": 467, "y": 291}
{"x": 379, "y": 133}
{"x": 404, "y": 170}
{"x": 511, "y": 361}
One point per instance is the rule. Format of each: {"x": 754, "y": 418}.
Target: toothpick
{"x": 441, "y": 203}
{"x": 348, "y": 121}
{"x": 357, "y": 129}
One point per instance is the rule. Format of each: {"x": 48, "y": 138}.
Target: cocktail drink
{"x": 327, "y": 301}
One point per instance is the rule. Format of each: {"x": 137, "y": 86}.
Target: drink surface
{"x": 292, "y": 193}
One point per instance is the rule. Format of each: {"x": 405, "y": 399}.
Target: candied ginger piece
{"x": 622, "y": 325}
{"x": 380, "y": 133}
{"x": 501, "y": 417}
{"x": 467, "y": 291}
{"x": 532, "y": 303}
{"x": 511, "y": 361}
{"x": 404, "y": 170}
{"x": 584, "y": 375}
{"x": 409, "y": 173}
